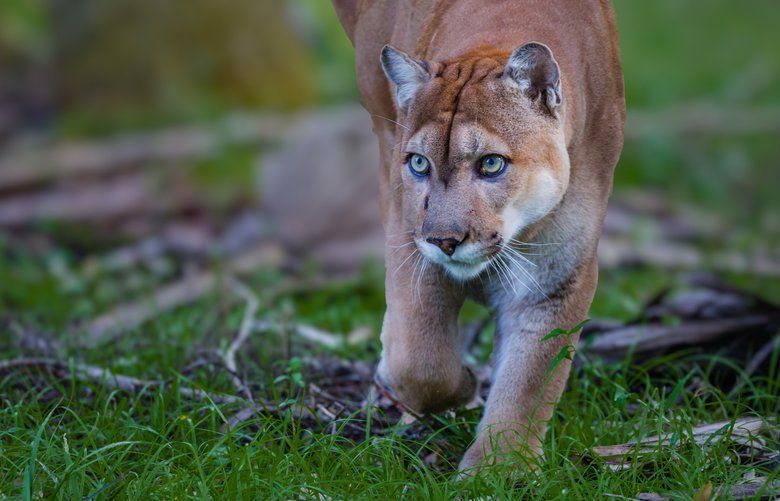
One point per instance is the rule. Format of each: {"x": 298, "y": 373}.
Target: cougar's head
{"x": 483, "y": 154}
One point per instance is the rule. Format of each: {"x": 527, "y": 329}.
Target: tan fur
{"x": 554, "y": 192}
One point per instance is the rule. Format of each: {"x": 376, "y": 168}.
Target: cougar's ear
{"x": 534, "y": 69}
{"x": 405, "y": 73}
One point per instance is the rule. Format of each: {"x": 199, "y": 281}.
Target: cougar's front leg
{"x": 421, "y": 357}
{"x": 525, "y": 385}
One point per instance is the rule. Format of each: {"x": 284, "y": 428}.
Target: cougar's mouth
{"x": 465, "y": 270}
{"x": 468, "y": 261}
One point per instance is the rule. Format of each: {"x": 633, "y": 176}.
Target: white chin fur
{"x": 457, "y": 269}
{"x": 463, "y": 272}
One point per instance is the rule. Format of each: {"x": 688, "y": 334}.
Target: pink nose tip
{"x": 447, "y": 245}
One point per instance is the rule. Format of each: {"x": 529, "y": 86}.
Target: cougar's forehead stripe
{"x": 473, "y": 141}
{"x": 461, "y": 73}
{"x": 460, "y": 76}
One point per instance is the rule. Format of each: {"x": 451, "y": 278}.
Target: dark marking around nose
{"x": 447, "y": 245}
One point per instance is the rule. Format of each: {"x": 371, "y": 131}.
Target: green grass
{"x": 66, "y": 439}
{"x": 160, "y": 447}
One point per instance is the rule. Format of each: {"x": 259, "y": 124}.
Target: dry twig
{"x": 761, "y": 355}
{"x": 186, "y": 290}
{"x": 617, "y": 252}
{"x": 178, "y": 144}
{"x": 646, "y": 338}
{"x": 229, "y": 357}
{"x": 307, "y": 332}
{"x": 743, "y": 431}
{"x": 93, "y": 374}
{"x": 762, "y": 487}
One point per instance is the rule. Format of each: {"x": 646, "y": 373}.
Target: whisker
{"x": 512, "y": 277}
{"x": 414, "y": 251}
{"x": 534, "y": 244}
{"x": 419, "y": 279}
{"x": 508, "y": 270}
{"x": 396, "y": 248}
{"x": 514, "y": 264}
{"x": 529, "y": 276}
{"x": 523, "y": 253}
{"x": 493, "y": 267}
{"x": 401, "y": 234}
{"x": 501, "y": 270}
{"x": 415, "y": 264}
{"x": 399, "y": 246}
{"x": 391, "y": 120}
{"x": 519, "y": 255}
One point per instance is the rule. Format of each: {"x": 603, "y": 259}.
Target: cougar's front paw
{"x": 507, "y": 447}
{"x": 473, "y": 459}
{"x": 427, "y": 392}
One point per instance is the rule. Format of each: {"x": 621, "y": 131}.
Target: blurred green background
{"x": 98, "y": 67}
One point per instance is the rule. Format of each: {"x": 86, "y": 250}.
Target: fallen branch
{"x": 112, "y": 381}
{"x": 314, "y": 412}
{"x": 763, "y": 487}
{"x": 178, "y": 144}
{"x": 307, "y": 332}
{"x": 229, "y": 357}
{"x": 93, "y": 374}
{"x": 85, "y": 202}
{"x": 318, "y": 336}
{"x": 131, "y": 315}
{"x": 182, "y": 240}
{"x": 743, "y": 431}
{"x": 617, "y": 252}
{"x": 767, "y": 490}
{"x": 651, "y": 337}
{"x": 756, "y": 361}
{"x": 761, "y": 355}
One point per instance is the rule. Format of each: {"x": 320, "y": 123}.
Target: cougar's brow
{"x": 444, "y": 173}
{"x": 472, "y": 77}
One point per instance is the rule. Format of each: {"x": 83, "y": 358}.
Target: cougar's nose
{"x": 447, "y": 245}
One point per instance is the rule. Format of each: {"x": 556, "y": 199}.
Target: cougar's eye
{"x": 418, "y": 164}
{"x": 492, "y": 165}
